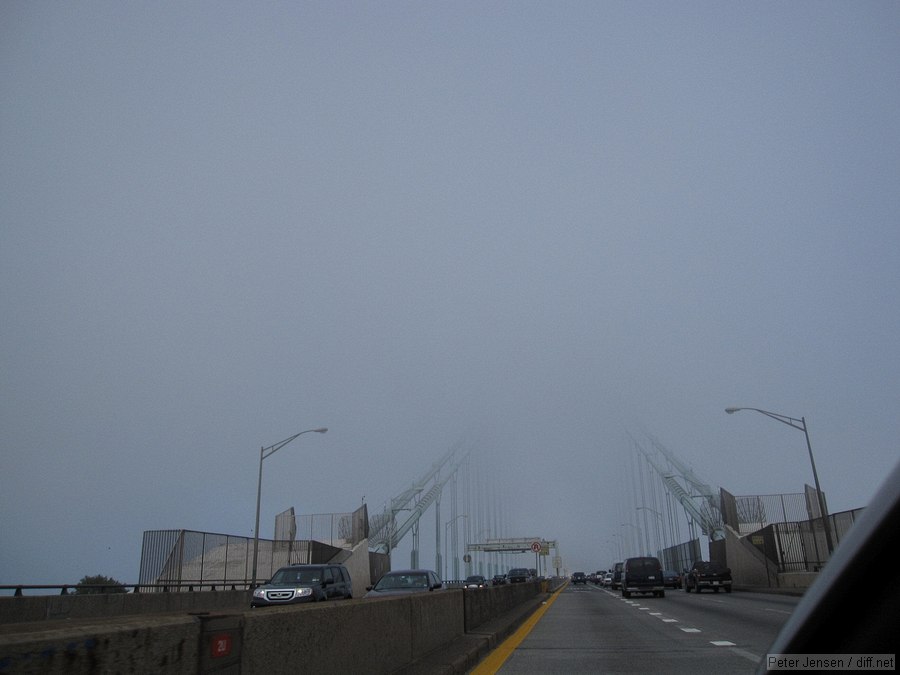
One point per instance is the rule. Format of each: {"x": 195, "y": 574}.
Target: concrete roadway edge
{"x": 466, "y": 652}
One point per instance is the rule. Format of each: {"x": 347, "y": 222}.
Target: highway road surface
{"x": 589, "y": 629}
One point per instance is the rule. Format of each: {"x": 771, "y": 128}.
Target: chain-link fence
{"x": 801, "y": 546}
{"x": 681, "y": 556}
{"x": 182, "y": 559}
{"x": 749, "y": 513}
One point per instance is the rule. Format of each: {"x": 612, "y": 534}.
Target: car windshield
{"x": 288, "y": 576}
{"x": 517, "y": 572}
{"x": 402, "y": 581}
{"x": 710, "y": 568}
{"x": 475, "y": 577}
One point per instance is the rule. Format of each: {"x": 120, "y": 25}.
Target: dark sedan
{"x": 475, "y": 581}
{"x": 403, "y": 582}
{"x": 671, "y": 579}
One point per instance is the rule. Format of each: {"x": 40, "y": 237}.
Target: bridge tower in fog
{"x": 698, "y": 499}
{"x": 402, "y": 515}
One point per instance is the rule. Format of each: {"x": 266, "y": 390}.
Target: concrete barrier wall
{"x": 362, "y": 636}
{"x": 371, "y": 636}
{"x": 484, "y": 604}
{"x": 49, "y": 607}
{"x": 134, "y": 645}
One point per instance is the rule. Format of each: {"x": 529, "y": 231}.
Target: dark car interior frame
{"x": 853, "y": 607}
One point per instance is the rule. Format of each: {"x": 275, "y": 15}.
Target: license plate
{"x": 715, "y": 583}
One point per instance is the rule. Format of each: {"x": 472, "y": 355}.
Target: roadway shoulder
{"x": 465, "y": 652}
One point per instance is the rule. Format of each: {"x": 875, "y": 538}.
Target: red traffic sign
{"x": 220, "y": 645}
{"x": 536, "y": 546}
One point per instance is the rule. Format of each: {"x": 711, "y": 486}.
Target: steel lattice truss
{"x": 386, "y": 530}
{"x": 698, "y": 499}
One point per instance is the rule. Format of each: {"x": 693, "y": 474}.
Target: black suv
{"x": 642, "y": 575}
{"x": 579, "y": 578}
{"x": 518, "y": 575}
{"x": 707, "y": 575}
{"x": 304, "y": 583}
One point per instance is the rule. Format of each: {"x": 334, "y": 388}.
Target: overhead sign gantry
{"x": 521, "y": 545}
{"x": 537, "y": 545}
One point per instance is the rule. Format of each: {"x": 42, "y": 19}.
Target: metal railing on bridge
{"x": 801, "y": 546}
{"x": 190, "y": 586}
{"x": 177, "y": 559}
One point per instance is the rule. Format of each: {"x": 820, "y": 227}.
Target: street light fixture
{"x": 662, "y": 524}
{"x": 639, "y": 536}
{"x": 263, "y": 453}
{"x": 647, "y": 508}
{"x": 446, "y": 552}
{"x": 801, "y": 425}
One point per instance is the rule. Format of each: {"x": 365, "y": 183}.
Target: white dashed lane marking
{"x": 715, "y": 643}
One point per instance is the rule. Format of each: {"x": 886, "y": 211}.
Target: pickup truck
{"x": 707, "y": 575}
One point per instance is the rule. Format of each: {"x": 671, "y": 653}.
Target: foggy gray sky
{"x": 534, "y": 226}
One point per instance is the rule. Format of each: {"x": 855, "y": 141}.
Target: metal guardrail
{"x": 98, "y": 589}
{"x": 19, "y": 590}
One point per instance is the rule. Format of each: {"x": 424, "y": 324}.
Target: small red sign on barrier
{"x": 220, "y": 645}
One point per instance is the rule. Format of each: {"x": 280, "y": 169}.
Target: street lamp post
{"x": 801, "y": 425}
{"x": 639, "y": 536}
{"x": 446, "y": 552}
{"x": 661, "y": 523}
{"x": 263, "y": 453}
{"x": 618, "y": 545}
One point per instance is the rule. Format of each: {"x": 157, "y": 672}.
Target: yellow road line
{"x": 495, "y": 660}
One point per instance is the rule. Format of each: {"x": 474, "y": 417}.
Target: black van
{"x": 617, "y": 576}
{"x": 304, "y": 583}
{"x": 643, "y": 575}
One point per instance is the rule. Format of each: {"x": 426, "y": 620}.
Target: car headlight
{"x": 302, "y": 592}
{"x": 259, "y": 593}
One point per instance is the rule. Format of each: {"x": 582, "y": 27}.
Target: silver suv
{"x": 304, "y": 583}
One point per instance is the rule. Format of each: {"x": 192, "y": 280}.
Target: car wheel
{"x": 662, "y": 594}
{"x": 626, "y": 594}
{"x": 716, "y": 589}
{"x": 728, "y": 589}
{"x": 687, "y": 589}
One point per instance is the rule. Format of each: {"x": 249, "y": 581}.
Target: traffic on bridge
{"x": 591, "y": 628}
